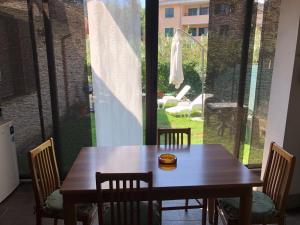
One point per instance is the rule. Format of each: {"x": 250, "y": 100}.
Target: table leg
{"x": 211, "y": 209}
{"x": 69, "y": 212}
{"x": 245, "y": 206}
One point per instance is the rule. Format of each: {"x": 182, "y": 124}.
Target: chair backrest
{"x": 124, "y": 191}
{"x": 44, "y": 171}
{"x": 183, "y": 92}
{"x": 173, "y": 136}
{"x": 278, "y": 175}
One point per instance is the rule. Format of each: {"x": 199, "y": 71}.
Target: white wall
{"x": 281, "y": 108}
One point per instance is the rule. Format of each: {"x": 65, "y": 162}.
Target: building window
{"x": 169, "y": 32}
{"x": 193, "y": 12}
{"x": 223, "y": 30}
{"x": 203, "y": 11}
{"x": 193, "y": 31}
{"x": 169, "y": 12}
{"x": 203, "y": 31}
{"x": 223, "y": 9}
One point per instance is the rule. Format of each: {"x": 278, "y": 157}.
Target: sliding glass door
{"x": 98, "y": 72}
{"x": 223, "y": 51}
{"x": 239, "y": 75}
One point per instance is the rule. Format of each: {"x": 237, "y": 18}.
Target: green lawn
{"x": 247, "y": 155}
{"x": 165, "y": 120}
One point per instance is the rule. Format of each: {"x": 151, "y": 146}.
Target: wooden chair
{"x": 123, "y": 206}
{"x": 175, "y": 137}
{"x": 276, "y": 185}
{"x": 46, "y": 182}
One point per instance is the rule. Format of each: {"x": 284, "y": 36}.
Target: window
{"x": 203, "y": 11}
{"x": 203, "y": 31}
{"x": 223, "y": 30}
{"x": 169, "y": 32}
{"x": 193, "y": 12}
{"x": 223, "y": 9}
{"x": 193, "y": 31}
{"x": 169, "y": 12}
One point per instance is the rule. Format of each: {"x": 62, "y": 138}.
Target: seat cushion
{"x": 54, "y": 201}
{"x": 143, "y": 213}
{"x": 54, "y": 206}
{"x": 263, "y": 207}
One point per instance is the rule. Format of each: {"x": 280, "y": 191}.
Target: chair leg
{"x": 160, "y": 210}
{"x": 204, "y": 211}
{"x": 38, "y": 218}
{"x": 216, "y": 214}
{"x": 281, "y": 220}
{"x": 186, "y": 205}
{"x": 211, "y": 210}
{"x": 87, "y": 221}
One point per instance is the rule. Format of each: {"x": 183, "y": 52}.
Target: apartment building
{"x": 190, "y": 15}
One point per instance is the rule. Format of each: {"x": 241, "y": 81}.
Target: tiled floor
{"x": 18, "y": 210}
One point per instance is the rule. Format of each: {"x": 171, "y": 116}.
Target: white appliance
{"x": 9, "y": 173}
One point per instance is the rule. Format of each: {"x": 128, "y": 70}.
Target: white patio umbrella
{"x": 176, "y": 71}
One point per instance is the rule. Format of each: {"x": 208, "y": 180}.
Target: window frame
{"x": 206, "y": 10}
{"x": 169, "y": 31}
{"x": 195, "y": 33}
{"x": 205, "y": 33}
{"x": 191, "y": 10}
{"x": 169, "y": 12}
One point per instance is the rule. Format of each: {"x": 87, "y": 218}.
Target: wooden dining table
{"x": 202, "y": 171}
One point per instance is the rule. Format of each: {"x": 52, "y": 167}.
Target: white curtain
{"x": 115, "y": 38}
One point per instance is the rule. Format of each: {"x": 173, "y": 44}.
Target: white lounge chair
{"x": 168, "y": 101}
{"x": 187, "y": 108}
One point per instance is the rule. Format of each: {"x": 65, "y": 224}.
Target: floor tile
{"x": 18, "y": 210}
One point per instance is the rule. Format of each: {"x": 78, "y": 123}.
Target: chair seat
{"x": 143, "y": 213}
{"x": 263, "y": 207}
{"x": 54, "y": 207}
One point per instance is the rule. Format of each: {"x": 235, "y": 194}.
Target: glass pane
{"x": 203, "y": 11}
{"x": 69, "y": 45}
{"x": 169, "y": 12}
{"x": 169, "y": 32}
{"x": 193, "y": 31}
{"x": 18, "y": 92}
{"x": 182, "y": 60}
{"x": 192, "y": 11}
{"x": 39, "y": 31}
{"x": 267, "y": 20}
{"x": 224, "y": 124}
{"x": 241, "y": 133}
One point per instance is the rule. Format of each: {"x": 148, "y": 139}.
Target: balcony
{"x": 195, "y": 20}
